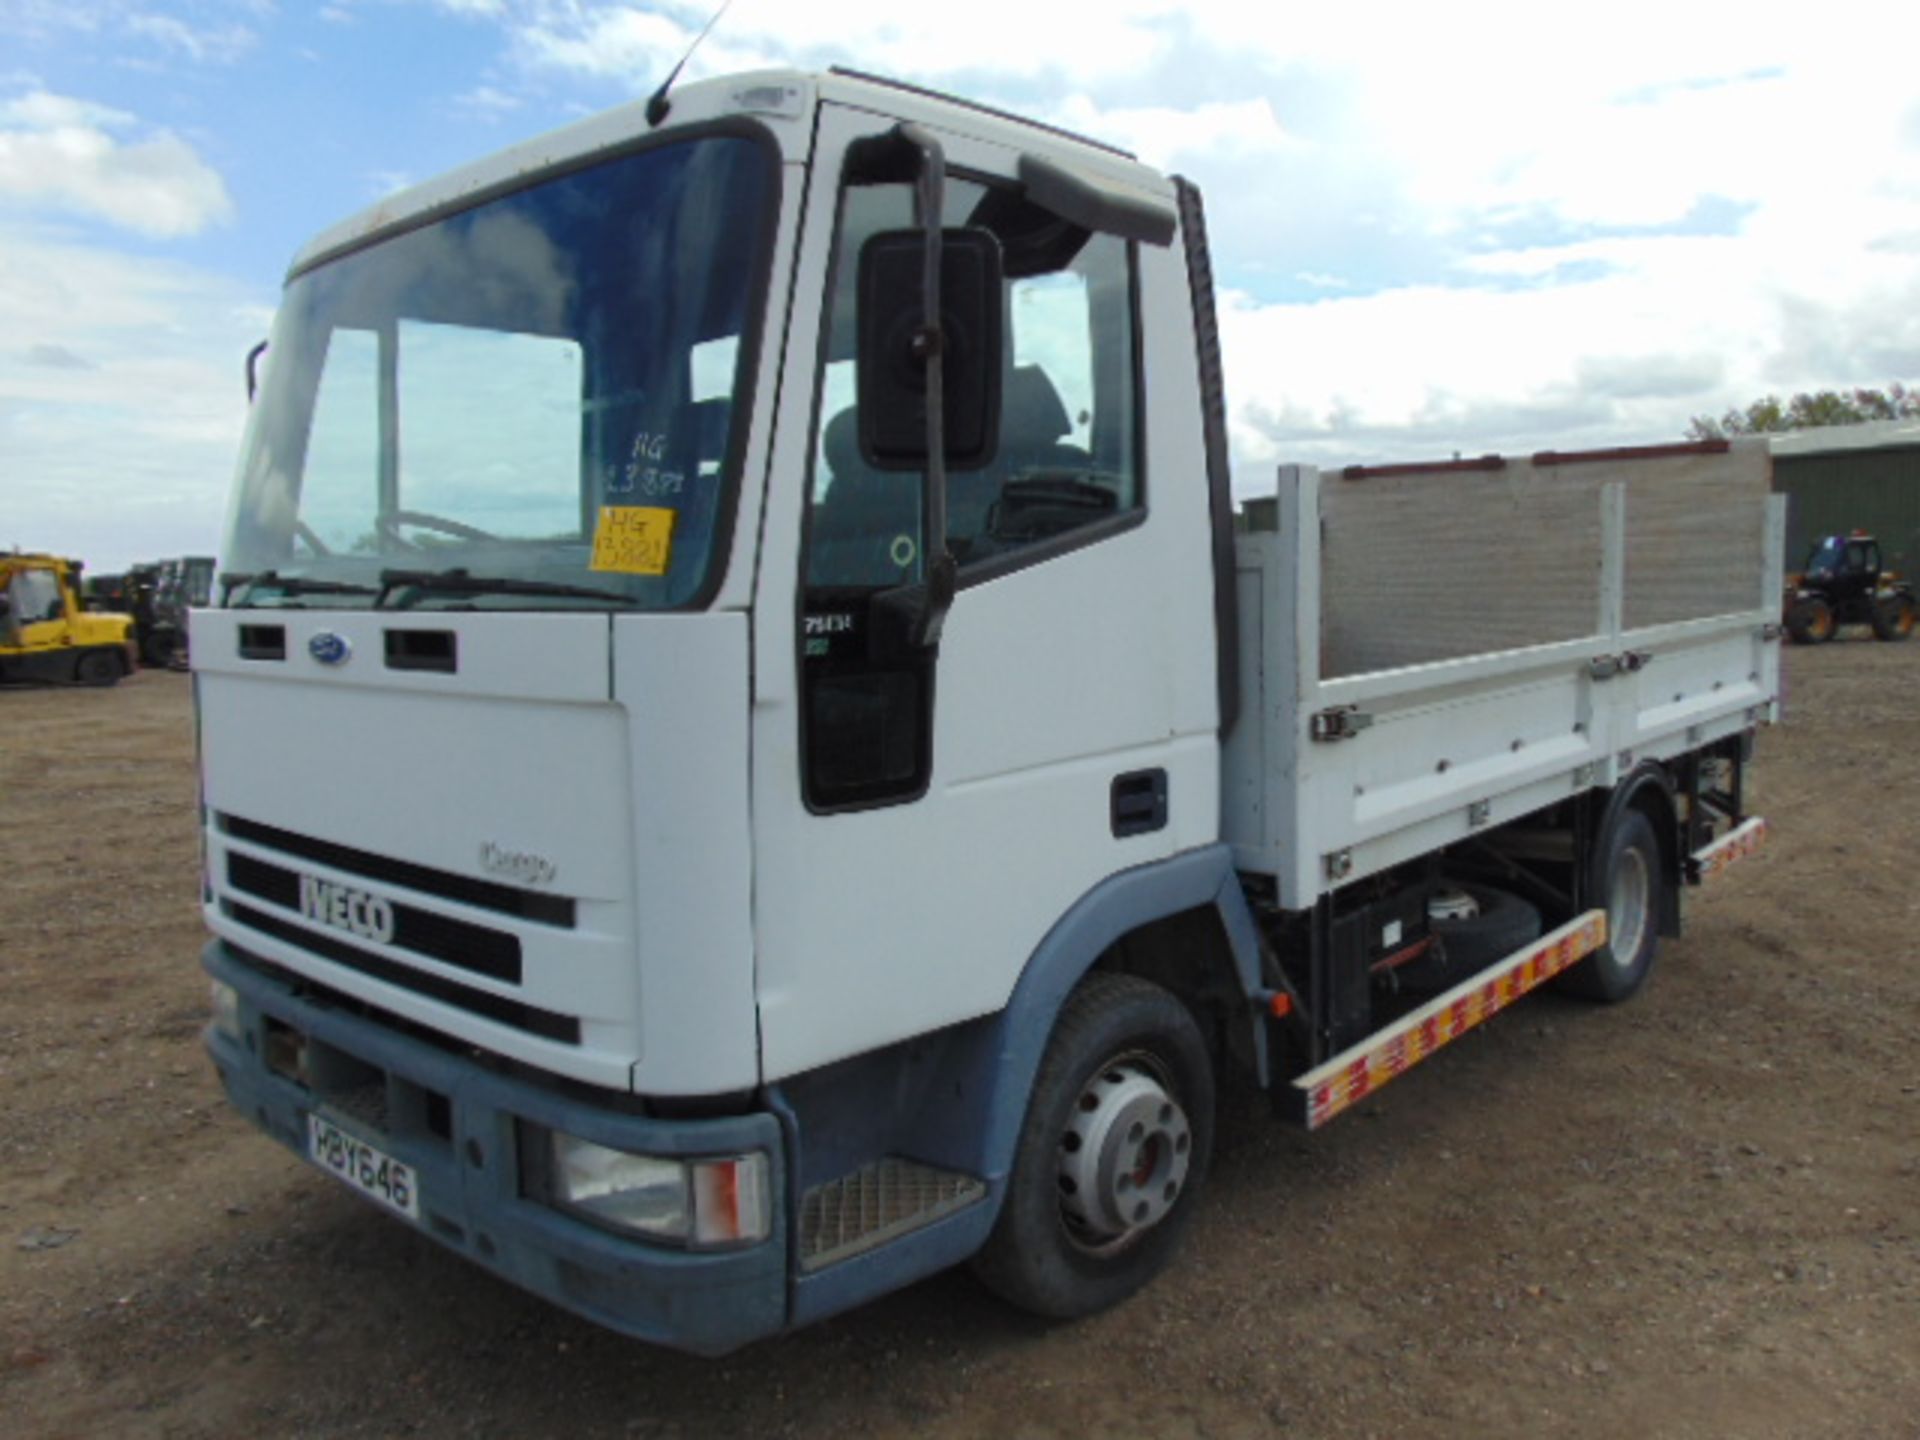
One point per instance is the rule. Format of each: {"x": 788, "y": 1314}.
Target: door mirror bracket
{"x": 929, "y": 362}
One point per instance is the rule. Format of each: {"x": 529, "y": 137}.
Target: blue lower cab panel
{"x": 459, "y": 1127}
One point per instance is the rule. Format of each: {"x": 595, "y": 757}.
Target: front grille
{"x": 481, "y": 894}
{"x": 367, "y": 1104}
{"x": 492, "y": 953}
{"x": 521, "y": 1016}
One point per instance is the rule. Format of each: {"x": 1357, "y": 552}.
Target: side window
{"x": 36, "y": 597}
{"x": 1067, "y": 433}
{"x": 1068, "y": 452}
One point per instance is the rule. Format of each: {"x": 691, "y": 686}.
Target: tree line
{"x": 1809, "y": 410}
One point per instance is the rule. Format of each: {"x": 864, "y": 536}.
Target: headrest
{"x": 1034, "y": 412}
{"x": 707, "y": 419}
{"x": 841, "y": 441}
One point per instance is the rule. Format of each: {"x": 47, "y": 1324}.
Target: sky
{"x": 1438, "y": 229}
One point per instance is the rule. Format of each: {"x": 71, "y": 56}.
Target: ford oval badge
{"x": 329, "y": 648}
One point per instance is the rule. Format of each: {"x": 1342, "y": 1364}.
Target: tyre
{"x": 1110, "y": 1160}
{"x": 156, "y": 648}
{"x": 1810, "y": 621}
{"x": 1499, "y": 925}
{"x": 1631, "y": 880}
{"x": 1893, "y": 617}
{"x": 98, "y": 667}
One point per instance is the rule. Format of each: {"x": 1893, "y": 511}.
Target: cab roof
{"x": 782, "y": 102}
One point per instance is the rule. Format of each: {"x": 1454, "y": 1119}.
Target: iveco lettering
{"x": 364, "y": 915}
{"x": 830, "y": 786}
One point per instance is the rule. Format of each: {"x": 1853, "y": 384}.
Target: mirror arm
{"x": 253, "y": 369}
{"x": 929, "y": 201}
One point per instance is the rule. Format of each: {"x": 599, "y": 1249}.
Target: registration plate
{"x": 372, "y": 1172}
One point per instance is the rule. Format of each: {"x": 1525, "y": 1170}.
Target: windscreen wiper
{"x": 460, "y": 581}
{"x": 287, "y": 585}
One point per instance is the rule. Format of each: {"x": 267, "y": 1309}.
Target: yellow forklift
{"x": 45, "y": 634}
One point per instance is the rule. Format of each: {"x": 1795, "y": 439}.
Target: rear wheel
{"x": 1118, "y": 1134}
{"x": 1810, "y": 621}
{"x": 1631, "y": 882}
{"x": 1894, "y": 617}
{"x": 156, "y": 648}
{"x": 98, "y": 667}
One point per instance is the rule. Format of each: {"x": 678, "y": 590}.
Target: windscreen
{"x": 530, "y": 403}
{"x": 1829, "y": 555}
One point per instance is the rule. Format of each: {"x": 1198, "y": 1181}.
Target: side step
{"x": 880, "y": 1201}
{"x": 1358, "y": 1071}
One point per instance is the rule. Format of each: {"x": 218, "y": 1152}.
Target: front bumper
{"x": 458, "y": 1124}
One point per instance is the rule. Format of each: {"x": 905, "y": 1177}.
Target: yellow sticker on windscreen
{"x": 633, "y": 539}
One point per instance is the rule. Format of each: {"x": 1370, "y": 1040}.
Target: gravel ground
{"x": 1694, "y": 1215}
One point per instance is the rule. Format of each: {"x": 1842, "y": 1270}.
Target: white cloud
{"x": 487, "y": 102}
{"x": 1002, "y": 38}
{"x": 1648, "y": 332}
{"x": 1167, "y": 138}
{"x": 222, "y": 44}
{"x": 382, "y": 183}
{"x": 121, "y": 399}
{"x": 1441, "y": 226}
{"x": 59, "y": 153}
{"x": 39, "y": 110}
{"x": 181, "y": 29}
{"x": 607, "y": 42}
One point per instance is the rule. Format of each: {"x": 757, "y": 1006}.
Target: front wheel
{"x": 98, "y": 667}
{"x": 1631, "y": 881}
{"x": 1118, "y": 1134}
{"x": 1811, "y": 621}
{"x": 1893, "y": 617}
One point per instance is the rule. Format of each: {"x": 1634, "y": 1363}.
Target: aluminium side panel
{"x": 1364, "y": 610}
{"x": 1701, "y": 602}
{"x": 1459, "y": 721}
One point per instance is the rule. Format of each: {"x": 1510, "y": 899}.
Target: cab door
{"x": 37, "y": 622}
{"x": 1858, "y": 579}
{"x": 921, "y": 822}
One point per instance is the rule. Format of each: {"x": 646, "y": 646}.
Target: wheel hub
{"x": 1627, "y": 906}
{"x": 1452, "y": 903}
{"x": 1124, "y": 1156}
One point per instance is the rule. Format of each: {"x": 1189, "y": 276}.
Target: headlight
{"x": 704, "y": 1203}
{"x": 226, "y": 1009}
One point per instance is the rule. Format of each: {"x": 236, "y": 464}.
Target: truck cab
{"x": 45, "y": 631}
{"x": 551, "y": 717}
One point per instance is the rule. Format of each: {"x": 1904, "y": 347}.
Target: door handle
{"x": 1137, "y": 802}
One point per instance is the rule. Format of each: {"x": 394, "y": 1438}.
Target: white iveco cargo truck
{"x": 748, "y": 758}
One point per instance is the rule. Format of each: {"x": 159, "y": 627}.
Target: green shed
{"x": 1842, "y": 478}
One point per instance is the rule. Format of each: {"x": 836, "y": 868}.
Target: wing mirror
{"x": 895, "y": 347}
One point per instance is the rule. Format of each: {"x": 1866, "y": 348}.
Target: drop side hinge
{"x": 1343, "y": 722}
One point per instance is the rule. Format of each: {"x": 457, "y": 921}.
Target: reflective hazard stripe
{"x": 1356, "y": 1073}
{"x": 1737, "y": 844}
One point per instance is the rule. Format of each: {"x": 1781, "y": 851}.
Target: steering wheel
{"x": 389, "y": 527}
{"x": 314, "y": 543}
